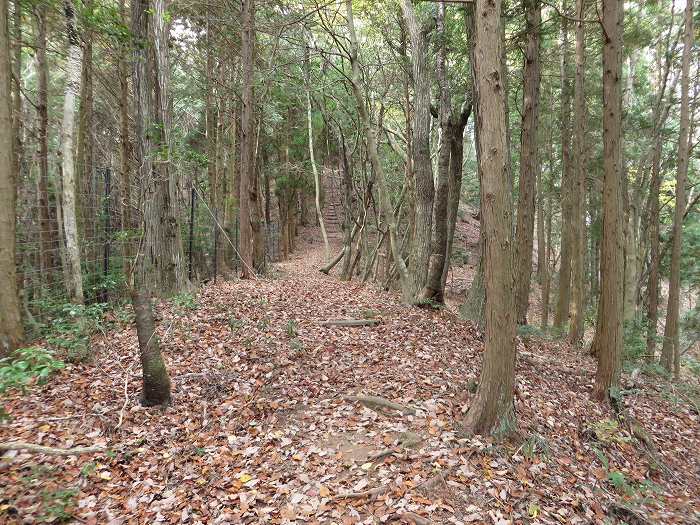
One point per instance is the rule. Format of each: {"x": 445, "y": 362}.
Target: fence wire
{"x": 211, "y": 244}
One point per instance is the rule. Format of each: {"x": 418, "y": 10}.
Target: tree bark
{"x": 87, "y": 202}
{"x": 422, "y": 165}
{"x": 252, "y": 247}
{"x": 11, "y": 333}
{"x": 492, "y": 410}
{"x": 16, "y": 65}
{"x": 48, "y": 243}
{"x": 434, "y": 290}
{"x": 124, "y": 139}
{"x": 655, "y": 259}
{"x": 608, "y": 340}
{"x": 455, "y": 180}
{"x": 547, "y": 275}
{"x": 312, "y": 156}
{"x": 670, "y": 351}
{"x": 373, "y": 154}
{"x": 529, "y": 164}
{"x": 161, "y": 266}
{"x": 70, "y": 224}
{"x": 210, "y": 115}
{"x": 561, "y": 315}
{"x": 578, "y": 245}
{"x": 156, "y": 382}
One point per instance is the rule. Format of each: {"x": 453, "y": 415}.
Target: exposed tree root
{"x": 412, "y": 517}
{"x": 628, "y": 515}
{"x": 351, "y": 322}
{"x": 375, "y": 402}
{"x": 434, "y": 481}
{"x": 380, "y": 455}
{"x": 51, "y": 451}
{"x": 370, "y": 494}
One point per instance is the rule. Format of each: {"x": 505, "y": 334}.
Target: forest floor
{"x": 263, "y": 426}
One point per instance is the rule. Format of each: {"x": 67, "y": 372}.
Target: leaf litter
{"x": 265, "y": 426}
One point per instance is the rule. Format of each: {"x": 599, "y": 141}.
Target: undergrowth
{"x": 27, "y": 366}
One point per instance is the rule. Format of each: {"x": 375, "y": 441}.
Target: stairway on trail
{"x": 332, "y": 210}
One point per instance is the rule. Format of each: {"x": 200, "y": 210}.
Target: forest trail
{"x": 263, "y": 427}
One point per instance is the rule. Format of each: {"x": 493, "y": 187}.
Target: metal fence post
{"x": 193, "y": 199}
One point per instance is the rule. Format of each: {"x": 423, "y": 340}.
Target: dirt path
{"x": 261, "y": 429}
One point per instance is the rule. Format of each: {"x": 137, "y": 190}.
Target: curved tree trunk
{"x": 312, "y": 156}
{"x": 156, "y": 382}
{"x": 434, "y": 290}
{"x": 373, "y": 154}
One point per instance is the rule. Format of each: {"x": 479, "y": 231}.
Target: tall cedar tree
{"x": 69, "y": 204}
{"x": 670, "y": 351}
{"x": 608, "y": 338}
{"x": 492, "y": 410}
{"x": 10, "y": 321}
{"x": 529, "y": 165}
{"x": 578, "y": 245}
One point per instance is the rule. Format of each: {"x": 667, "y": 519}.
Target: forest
{"x": 350, "y": 261}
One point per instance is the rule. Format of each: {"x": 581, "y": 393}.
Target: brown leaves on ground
{"x": 260, "y": 430}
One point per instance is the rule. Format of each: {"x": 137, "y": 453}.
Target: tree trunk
{"x": 348, "y": 226}
{"x": 232, "y": 183}
{"x": 561, "y": 315}
{"x": 47, "y": 239}
{"x": 11, "y": 334}
{"x": 87, "y": 202}
{"x": 655, "y": 259}
{"x": 541, "y": 236}
{"x": 156, "y": 383}
{"x": 492, "y": 410}
{"x": 124, "y": 139}
{"x": 373, "y": 154}
{"x": 578, "y": 246}
{"x": 455, "y": 182}
{"x": 312, "y": 156}
{"x": 253, "y": 260}
{"x": 434, "y": 290}
{"x": 529, "y": 165}
{"x": 670, "y": 351}
{"x": 547, "y": 275}
{"x": 608, "y": 341}
{"x": 210, "y": 116}
{"x": 473, "y": 308}
{"x": 422, "y": 165}
{"x": 161, "y": 268}
{"x": 70, "y": 224}
{"x": 16, "y": 64}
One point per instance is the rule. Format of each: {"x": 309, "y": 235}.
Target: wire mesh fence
{"x": 106, "y": 231}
